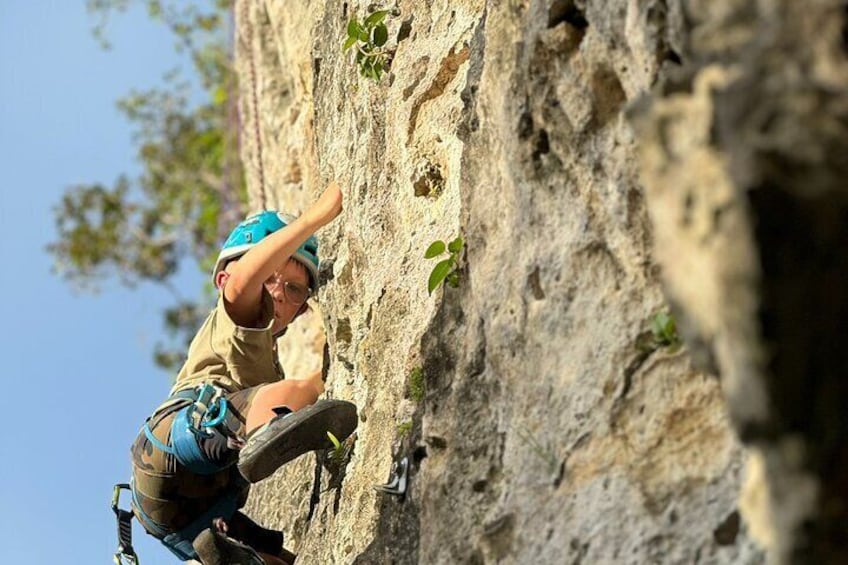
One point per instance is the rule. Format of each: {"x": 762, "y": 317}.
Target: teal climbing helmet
{"x": 255, "y": 228}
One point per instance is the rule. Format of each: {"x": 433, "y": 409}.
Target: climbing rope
{"x": 249, "y": 47}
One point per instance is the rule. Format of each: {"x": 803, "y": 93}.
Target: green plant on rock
{"x": 369, "y": 38}
{"x": 404, "y": 428}
{"x": 335, "y": 460}
{"x": 415, "y": 384}
{"x": 664, "y": 331}
{"x": 446, "y": 269}
{"x": 338, "y": 453}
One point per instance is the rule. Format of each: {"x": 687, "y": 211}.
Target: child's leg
{"x": 272, "y": 559}
{"x": 308, "y": 428}
{"x": 291, "y": 393}
{"x": 268, "y": 543}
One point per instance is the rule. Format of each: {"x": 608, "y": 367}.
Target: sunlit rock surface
{"x": 592, "y": 155}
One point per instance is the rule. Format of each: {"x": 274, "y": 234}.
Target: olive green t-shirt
{"x": 230, "y": 356}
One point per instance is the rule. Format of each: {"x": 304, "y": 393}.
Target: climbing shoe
{"x": 290, "y": 435}
{"x": 287, "y": 556}
{"x": 214, "y": 548}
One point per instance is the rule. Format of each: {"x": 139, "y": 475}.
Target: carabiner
{"x": 125, "y": 548}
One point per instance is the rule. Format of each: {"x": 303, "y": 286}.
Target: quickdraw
{"x": 397, "y": 482}
{"x": 125, "y": 553}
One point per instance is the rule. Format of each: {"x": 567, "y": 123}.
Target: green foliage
{"x": 181, "y": 323}
{"x": 446, "y": 269}
{"x": 335, "y": 460}
{"x": 335, "y": 441}
{"x": 664, "y": 331}
{"x": 338, "y": 453}
{"x": 369, "y": 37}
{"x": 187, "y": 21}
{"x": 415, "y": 387}
{"x": 93, "y": 224}
{"x": 191, "y": 187}
{"x": 404, "y": 428}
{"x": 141, "y": 229}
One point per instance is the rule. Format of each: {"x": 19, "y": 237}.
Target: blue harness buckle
{"x": 208, "y": 411}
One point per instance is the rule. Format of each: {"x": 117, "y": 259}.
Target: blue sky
{"x": 77, "y": 369}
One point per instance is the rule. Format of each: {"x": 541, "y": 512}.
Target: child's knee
{"x": 310, "y": 389}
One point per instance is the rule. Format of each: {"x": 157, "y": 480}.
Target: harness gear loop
{"x": 207, "y": 411}
{"x": 124, "y": 517}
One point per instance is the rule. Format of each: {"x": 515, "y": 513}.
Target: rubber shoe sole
{"x": 291, "y": 435}
{"x": 214, "y": 548}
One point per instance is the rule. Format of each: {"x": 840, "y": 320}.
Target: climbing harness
{"x": 397, "y": 482}
{"x": 180, "y": 542}
{"x": 208, "y": 411}
{"x": 201, "y": 412}
{"x": 125, "y": 552}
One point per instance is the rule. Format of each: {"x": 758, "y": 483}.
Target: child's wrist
{"x": 312, "y": 219}
{"x": 316, "y": 218}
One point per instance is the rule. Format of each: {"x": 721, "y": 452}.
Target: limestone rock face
{"x": 752, "y": 246}
{"x": 550, "y": 429}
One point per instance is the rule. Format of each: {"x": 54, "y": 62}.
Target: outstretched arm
{"x": 243, "y": 288}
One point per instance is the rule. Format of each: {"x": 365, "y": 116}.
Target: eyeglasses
{"x": 294, "y": 293}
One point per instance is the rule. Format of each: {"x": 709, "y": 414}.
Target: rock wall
{"x": 548, "y": 431}
{"x": 753, "y": 245}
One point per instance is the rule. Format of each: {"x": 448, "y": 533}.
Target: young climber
{"x": 231, "y": 419}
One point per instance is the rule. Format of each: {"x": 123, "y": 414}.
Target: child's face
{"x": 289, "y": 287}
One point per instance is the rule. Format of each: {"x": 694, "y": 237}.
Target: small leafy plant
{"x": 338, "y": 453}
{"x": 335, "y": 460}
{"x": 404, "y": 428}
{"x": 446, "y": 269}
{"x": 415, "y": 384}
{"x": 369, "y": 37}
{"x": 664, "y": 331}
